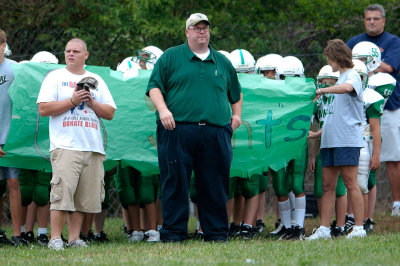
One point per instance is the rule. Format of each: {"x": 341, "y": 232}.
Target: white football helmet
{"x": 242, "y": 61}
{"x": 149, "y": 55}
{"x": 127, "y": 63}
{"x": 290, "y": 66}
{"x": 7, "y": 51}
{"x": 44, "y": 57}
{"x": 132, "y": 72}
{"x": 368, "y": 51}
{"x": 326, "y": 72}
{"x": 268, "y": 62}
{"x": 227, "y": 54}
{"x": 362, "y": 70}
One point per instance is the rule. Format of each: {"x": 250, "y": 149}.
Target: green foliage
{"x": 115, "y": 29}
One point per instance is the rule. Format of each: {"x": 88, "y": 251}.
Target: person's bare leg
{"x": 329, "y": 180}
{"x": 238, "y": 206}
{"x": 15, "y": 204}
{"x": 99, "y": 219}
{"x": 341, "y": 206}
{"x": 151, "y": 216}
{"x": 393, "y": 170}
{"x": 250, "y": 210}
{"x": 349, "y": 205}
{"x": 261, "y": 206}
{"x": 365, "y": 202}
{"x": 127, "y": 221}
{"x": 57, "y": 222}
{"x": 43, "y": 215}
{"x": 30, "y": 216}
{"x": 229, "y": 206}
{"x": 371, "y": 202}
{"x": 143, "y": 219}
{"x": 74, "y": 225}
{"x": 87, "y": 223}
{"x": 134, "y": 217}
{"x": 349, "y": 175}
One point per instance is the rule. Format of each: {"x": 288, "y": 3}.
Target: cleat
{"x": 319, "y": 233}
{"x": 396, "y": 210}
{"x": 28, "y": 236}
{"x": 357, "y": 232}
{"x": 87, "y": 238}
{"x": 19, "y": 241}
{"x": 4, "y": 240}
{"x": 296, "y": 233}
{"x": 197, "y": 235}
{"x": 348, "y": 226}
{"x": 260, "y": 226}
{"x": 100, "y": 237}
{"x": 42, "y": 240}
{"x": 369, "y": 226}
{"x": 234, "y": 230}
{"x": 247, "y": 232}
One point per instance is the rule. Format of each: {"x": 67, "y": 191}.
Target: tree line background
{"x": 116, "y": 29}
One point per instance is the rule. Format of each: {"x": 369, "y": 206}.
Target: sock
{"x": 325, "y": 229}
{"x": 284, "y": 210}
{"x": 396, "y": 203}
{"x": 248, "y": 225}
{"x": 42, "y": 231}
{"x": 300, "y": 211}
{"x": 159, "y": 226}
{"x": 358, "y": 227}
{"x": 292, "y": 201}
{"x": 351, "y": 215}
{"x": 342, "y": 228}
{"x": 23, "y": 229}
{"x": 198, "y": 225}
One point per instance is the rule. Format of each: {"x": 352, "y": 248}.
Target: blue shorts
{"x": 8, "y": 172}
{"x": 340, "y": 156}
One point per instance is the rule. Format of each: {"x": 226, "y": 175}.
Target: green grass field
{"x": 379, "y": 248}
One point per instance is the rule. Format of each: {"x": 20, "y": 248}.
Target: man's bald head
{"x": 81, "y": 42}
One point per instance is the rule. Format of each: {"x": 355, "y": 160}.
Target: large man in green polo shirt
{"x": 199, "y": 103}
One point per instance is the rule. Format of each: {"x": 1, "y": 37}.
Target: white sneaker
{"x": 154, "y": 236}
{"x": 396, "y": 210}
{"x": 357, "y": 232}
{"x": 77, "y": 244}
{"x": 136, "y": 236}
{"x": 320, "y": 234}
{"x": 56, "y": 244}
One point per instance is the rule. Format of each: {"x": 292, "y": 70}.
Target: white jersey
{"x": 324, "y": 107}
{"x": 373, "y": 103}
{"x": 79, "y": 127}
{"x": 383, "y": 83}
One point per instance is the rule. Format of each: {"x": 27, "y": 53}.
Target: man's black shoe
{"x": 28, "y": 236}
{"x": 42, "y": 240}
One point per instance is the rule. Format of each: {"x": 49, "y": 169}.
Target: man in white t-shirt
{"x": 76, "y": 145}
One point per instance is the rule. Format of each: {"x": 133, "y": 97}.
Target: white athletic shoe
{"x": 56, "y": 244}
{"x": 77, "y": 244}
{"x": 277, "y": 229}
{"x": 154, "y": 236}
{"x": 357, "y": 232}
{"x": 320, "y": 234}
{"x": 396, "y": 210}
{"x": 136, "y": 236}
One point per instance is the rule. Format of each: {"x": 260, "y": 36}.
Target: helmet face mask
{"x": 326, "y": 72}
{"x": 148, "y": 56}
{"x": 369, "y": 53}
{"x": 267, "y": 65}
{"x": 7, "y": 51}
{"x": 362, "y": 70}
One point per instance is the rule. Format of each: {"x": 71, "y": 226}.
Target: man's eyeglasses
{"x": 371, "y": 19}
{"x": 198, "y": 29}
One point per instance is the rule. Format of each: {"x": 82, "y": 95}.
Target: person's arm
{"x": 166, "y": 116}
{"x": 376, "y": 138}
{"x": 236, "y": 118}
{"x": 384, "y": 68}
{"x": 54, "y": 108}
{"x": 2, "y": 153}
{"x": 102, "y": 110}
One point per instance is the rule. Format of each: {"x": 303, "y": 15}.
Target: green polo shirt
{"x": 196, "y": 90}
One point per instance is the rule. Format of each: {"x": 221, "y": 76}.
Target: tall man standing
{"x": 374, "y": 22}
{"x": 194, "y": 89}
{"x": 76, "y": 146}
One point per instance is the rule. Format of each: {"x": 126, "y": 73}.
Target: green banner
{"x": 276, "y": 118}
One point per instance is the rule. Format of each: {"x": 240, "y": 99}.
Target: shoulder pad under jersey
{"x": 370, "y": 97}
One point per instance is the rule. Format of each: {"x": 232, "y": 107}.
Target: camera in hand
{"x": 87, "y": 83}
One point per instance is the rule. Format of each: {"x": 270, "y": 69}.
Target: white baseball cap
{"x": 196, "y": 18}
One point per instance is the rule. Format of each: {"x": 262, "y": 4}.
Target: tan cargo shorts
{"x": 78, "y": 181}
